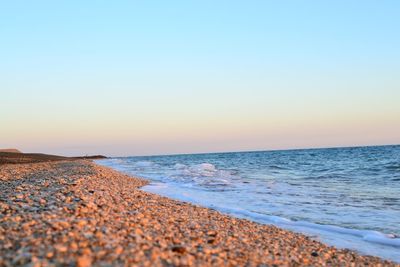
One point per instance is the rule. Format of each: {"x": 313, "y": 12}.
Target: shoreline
{"x": 82, "y": 213}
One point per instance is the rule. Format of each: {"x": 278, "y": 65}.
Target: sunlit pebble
{"x": 84, "y": 261}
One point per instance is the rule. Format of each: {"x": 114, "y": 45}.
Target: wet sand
{"x": 76, "y": 213}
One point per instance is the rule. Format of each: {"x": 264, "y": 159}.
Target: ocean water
{"x": 346, "y": 197}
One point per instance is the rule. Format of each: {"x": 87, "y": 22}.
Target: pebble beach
{"x": 76, "y": 213}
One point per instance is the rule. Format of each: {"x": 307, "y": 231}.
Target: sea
{"x": 345, "y": 197}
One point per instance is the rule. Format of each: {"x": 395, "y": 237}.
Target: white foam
{"x": 364, "y": 241}
{"x": 204, "y": 167}
{"x": 179, "y": 166}
{"x": 204, "y": 174}
{"x": 143, "y": 164}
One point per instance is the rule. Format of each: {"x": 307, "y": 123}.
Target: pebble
{"x": 178, "y": 249}
{"x": 84, "y": 261}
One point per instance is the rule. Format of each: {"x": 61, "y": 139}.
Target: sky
{"x": 124, "y": 78}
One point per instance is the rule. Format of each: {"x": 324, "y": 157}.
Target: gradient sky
{"x": 161, "y": 77}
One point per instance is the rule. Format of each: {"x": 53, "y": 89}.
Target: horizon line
{"x": 255, "y": 151}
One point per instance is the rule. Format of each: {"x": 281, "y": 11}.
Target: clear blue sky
{"x": 156, "y": 77}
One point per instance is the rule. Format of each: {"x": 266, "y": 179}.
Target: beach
{"x": 77, "y": 213}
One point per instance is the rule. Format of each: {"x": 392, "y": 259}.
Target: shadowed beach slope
{"x": 15, "y": 157}
{"x": 76, "y": 213}
{"x": 10, "y": 150}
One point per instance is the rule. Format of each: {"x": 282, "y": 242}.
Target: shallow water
{"x": 347, "y": 197}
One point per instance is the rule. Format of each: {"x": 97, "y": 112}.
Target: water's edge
{"x": 364, "y": 242}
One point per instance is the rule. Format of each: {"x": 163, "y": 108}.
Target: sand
{"x": 75, "y": 213}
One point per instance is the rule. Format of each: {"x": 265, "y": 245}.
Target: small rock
{"x": 84, "y": 261}
{"x": 212, "y": 233}
{"x": 118, "y": 250}
{"x": 61, "y": 248}
{"x": 179, "y": 249}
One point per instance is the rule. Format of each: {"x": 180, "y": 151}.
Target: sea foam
{"x": 347, "y": 197}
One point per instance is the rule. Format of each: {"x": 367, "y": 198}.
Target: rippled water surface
{"x": 339, "y": 194}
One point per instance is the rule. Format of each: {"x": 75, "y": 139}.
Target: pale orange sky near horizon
{"x": 134, "y": 79}
{"x": 157, "y": 136}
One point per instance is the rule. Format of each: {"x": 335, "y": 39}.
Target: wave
{"x": 143, "y": 164}
{"x": 204, "y": 174}
{"x": 394, "y": 167}
{"x": 366, "y": 235}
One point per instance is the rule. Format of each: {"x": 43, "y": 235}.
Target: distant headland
{"x": 15, "y": 156}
